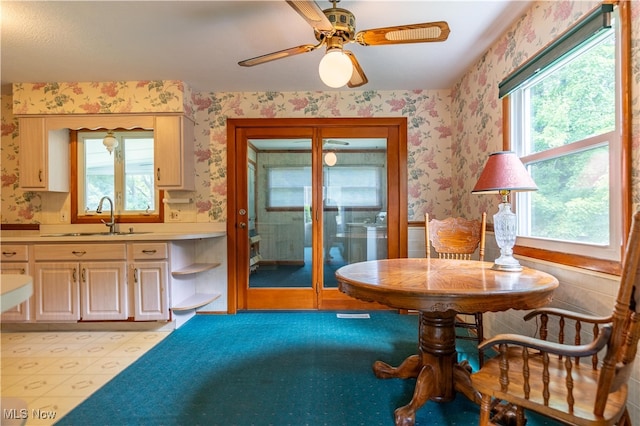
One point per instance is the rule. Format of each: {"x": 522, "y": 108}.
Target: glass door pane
{"x": 354, "y": 203}
{"x": 280, "y": 231}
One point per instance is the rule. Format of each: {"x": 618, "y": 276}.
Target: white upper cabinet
{"x": 173, "y": 154}
{"x": 44, "y": 156}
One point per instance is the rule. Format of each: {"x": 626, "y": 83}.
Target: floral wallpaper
{"x": 449, "y": 136}
{"x": 17, "y": 206}
{"x": 122, "y": 97}
{"x": 429, "y": 133}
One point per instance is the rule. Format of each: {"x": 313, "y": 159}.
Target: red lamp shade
{"x": 504, "y": 171}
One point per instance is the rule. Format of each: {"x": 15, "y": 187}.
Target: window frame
{"x": 622, "y": 218}
{"x": 77, "y": 216}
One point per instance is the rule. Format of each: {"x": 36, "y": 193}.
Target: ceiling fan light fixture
{"x": 335, "y": 68}
{"x": 330, "y": 158}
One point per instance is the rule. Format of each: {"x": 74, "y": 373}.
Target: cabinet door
{"x": 44, "y": 156}
{"x": 104, "y": 290}
{"x": 57, "y": 291}
{"x": 22, "y": 312}
{"x": 33, "y": 172}
{"x": 173, "y": 153}
{"x": 150, "y": 291}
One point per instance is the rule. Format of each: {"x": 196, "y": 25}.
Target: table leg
{"x": 434, "y": 366}
{"x": 409, "y": 368}
{"x": 425, "y": 389}
{"x": 462, "y": 380}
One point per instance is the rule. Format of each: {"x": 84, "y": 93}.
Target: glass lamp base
{"x": 507, "y": 267}
{"x": 505, "y": 228}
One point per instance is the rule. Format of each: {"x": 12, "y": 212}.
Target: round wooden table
{"x": 438, "y": 289}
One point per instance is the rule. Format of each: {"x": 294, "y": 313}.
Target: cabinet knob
{"x": 9, "y": 253}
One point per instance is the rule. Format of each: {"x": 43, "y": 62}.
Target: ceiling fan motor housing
{"x": 344, "y": 24}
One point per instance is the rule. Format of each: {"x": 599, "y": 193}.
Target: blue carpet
{"x": 275, "y": 368}
{"x": 292, "y": 276}
{"x": 297, "y": 275}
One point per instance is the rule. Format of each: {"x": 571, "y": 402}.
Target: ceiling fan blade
{"x": 334, "y": 142}
{"x": 311, "y": 13}
{"x": 278, "y": 55}
{"x": 358, "y": 78}
{"x": 416, "y": 33}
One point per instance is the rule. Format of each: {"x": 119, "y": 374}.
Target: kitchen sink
{"x": 93, "y": 234}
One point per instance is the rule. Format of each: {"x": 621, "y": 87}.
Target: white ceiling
{"x": 201, "y": 42}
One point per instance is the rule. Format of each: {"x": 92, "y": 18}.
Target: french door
{"x": 306, "y": 196}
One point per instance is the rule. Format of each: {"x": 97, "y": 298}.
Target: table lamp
{"x": 503, "y": 173}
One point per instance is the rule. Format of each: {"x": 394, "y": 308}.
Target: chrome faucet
{"x": 112, "y": 222}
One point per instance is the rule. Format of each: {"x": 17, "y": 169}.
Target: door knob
{"x": 242, "y": 225}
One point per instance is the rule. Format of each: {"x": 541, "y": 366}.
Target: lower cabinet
{"x": 149, "y": 291}
{"x": 15, "y": 260}
{"x": 58, "y": 286}
{"x": 150, "y": 281}
{"x": 103, "y": 289}
{"x": 56, "y": 291}
{"x": 66, "y": 289}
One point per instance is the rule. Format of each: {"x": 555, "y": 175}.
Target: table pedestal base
{"x": 438, "y": 373}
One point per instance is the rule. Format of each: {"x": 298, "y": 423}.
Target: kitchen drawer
{"x": 79, "y": 252}
{"x": 149, "y": 251}
{"x": 15, "y": 253}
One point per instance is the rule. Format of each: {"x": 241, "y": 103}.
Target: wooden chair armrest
{"x": 551, "y": 347}
{"x": 568, "y": 314}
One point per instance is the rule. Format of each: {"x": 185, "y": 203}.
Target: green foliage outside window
{"x": 569, "y": 105}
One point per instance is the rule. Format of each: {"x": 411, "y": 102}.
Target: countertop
{"x": 141, "y": 232}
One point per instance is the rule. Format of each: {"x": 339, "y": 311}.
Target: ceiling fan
{"x": 335, "y": 27}
{"x": 327, "y": 142}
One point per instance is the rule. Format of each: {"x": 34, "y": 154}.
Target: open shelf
{"x": 194, "y": 269}
{"x": 196, "y": 301}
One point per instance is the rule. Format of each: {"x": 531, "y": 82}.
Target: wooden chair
{"x": 459, "y": 238}
{"x": 566, "y": 381}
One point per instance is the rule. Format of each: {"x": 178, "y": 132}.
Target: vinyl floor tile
{"x": 44, "y": 375}
{"x": 28, "y": 365}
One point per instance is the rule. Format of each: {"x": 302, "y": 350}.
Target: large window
{"x": 124, "y": 175}
{"x": 565, "y": 126}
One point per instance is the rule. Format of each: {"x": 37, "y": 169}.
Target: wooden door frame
{"x": 236, "y": 184}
